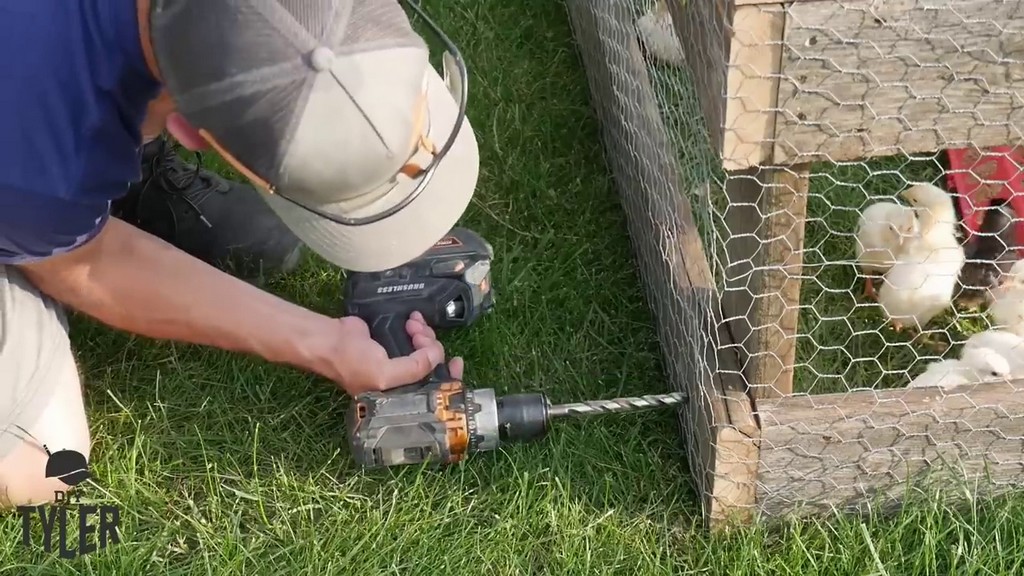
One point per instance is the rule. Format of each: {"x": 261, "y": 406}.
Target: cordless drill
{"x": 438, "y": 419}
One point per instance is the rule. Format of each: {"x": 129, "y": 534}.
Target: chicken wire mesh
{"x": 748, "y": 143}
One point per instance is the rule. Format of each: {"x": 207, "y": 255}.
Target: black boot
{"x": 219, "y": 221}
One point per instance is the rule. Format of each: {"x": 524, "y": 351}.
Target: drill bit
{"x": 631, "y": 404}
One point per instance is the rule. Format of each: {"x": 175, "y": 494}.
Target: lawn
{"x": 222, "y": 464}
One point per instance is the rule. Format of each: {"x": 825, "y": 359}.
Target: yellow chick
{"x": 882, "y": 230}
{"x": 924, "y": 278}
{"x": 658, "y": 36}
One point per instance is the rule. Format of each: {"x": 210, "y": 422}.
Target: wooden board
{"x": 676, "y": 276}
{"x": 702, "y": 29}
{"x": 764, "y": 2}
{"x": 736, "y": 441}
{"x": 734, "y": 51}
{"x": 765, "y": 217}
{"x": 843, "y": 451}
{"x": 755, "y": 58}
{"x": 863, "y": 78}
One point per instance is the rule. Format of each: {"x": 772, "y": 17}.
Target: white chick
{"x": 1007, "y": 300}
{"x": 923, "y": 280}
{"x": 881, "y": 231}
{"x": 945, "y": 373}
{"x": 659, "y": 36}
{"x": 1007, "y": 345}
{"x": 975, "y": 365}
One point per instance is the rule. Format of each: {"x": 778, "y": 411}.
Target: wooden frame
{"x": 756, "y": 450}
{"x": 783, "y": 85}
{"x": 843, "y": 451}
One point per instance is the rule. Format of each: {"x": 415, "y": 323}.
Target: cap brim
{"x": 411, "y": 231}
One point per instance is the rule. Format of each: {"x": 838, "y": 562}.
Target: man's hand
{"x": 363, "y": 364}
{"x": 131, "y": 280}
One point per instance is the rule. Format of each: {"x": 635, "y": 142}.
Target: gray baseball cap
{"x": 331, "y": 108}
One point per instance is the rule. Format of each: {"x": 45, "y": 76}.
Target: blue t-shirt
{"x": 74, "y": 88}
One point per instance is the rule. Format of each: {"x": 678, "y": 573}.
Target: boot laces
{"x": 190, "y": 183}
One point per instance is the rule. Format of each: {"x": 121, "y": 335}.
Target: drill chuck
{"x": 522, "y": 417}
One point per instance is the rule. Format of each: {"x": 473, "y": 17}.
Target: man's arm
{"x": 131, "y": 280}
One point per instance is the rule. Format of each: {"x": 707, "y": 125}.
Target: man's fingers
{"x": 414, "y": 367}
{"x": 422, "y": 341}
{"x": 415, "y": 325}
{"x": 456, "y": 367}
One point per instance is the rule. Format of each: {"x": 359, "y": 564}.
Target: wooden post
{"x": 765, "y": 221}
{"x": 733, "y": 55}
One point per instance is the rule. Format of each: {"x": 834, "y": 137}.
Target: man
{"x": 329, "y": 107}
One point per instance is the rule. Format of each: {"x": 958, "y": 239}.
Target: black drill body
{"x": 436, "y": 419}
{"x": 449, "y": 285}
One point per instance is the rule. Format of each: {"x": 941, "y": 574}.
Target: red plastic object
{"x": 980, "y": 176}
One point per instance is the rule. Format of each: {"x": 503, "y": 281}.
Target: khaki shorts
{"x": 37, "y": 366}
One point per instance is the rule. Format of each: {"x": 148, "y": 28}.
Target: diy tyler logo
{"x": 71, "y": 468}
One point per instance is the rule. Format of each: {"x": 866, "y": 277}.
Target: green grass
{"x": 226, "y": 465}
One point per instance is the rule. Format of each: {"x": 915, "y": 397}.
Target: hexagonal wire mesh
{"x": 747, "y": 143}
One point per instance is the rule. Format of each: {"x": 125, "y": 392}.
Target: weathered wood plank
{"x": 842, "y": 451}
{"x": 863, "y": 78}
{"x": 703, "y": 31}
{"x": 737, "y": 455}
{"x": 755, "y": 59}
{"x": 742, "y": 246}
{"x": 676, "y": 276}
{"x": 777, "y": 303}
{"x": 734, "y": 56}
{"x": 765, "y": 217}
{"x": 763, "y": 2}
{"x": 735, "y": 480}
